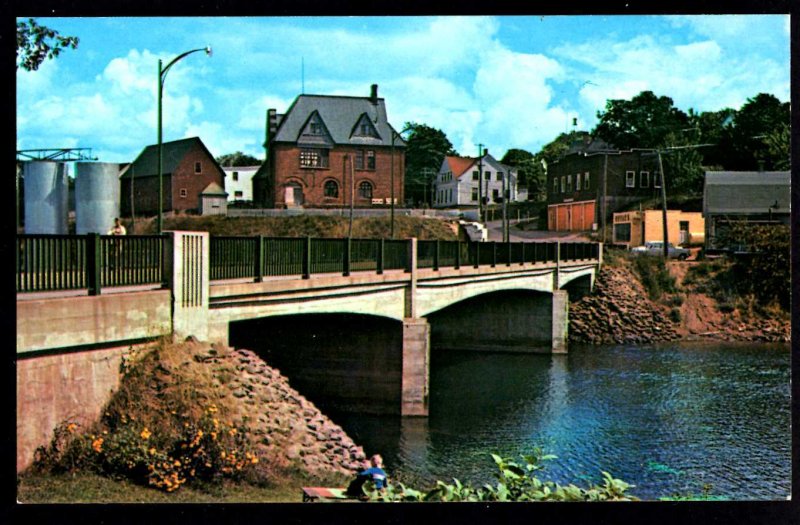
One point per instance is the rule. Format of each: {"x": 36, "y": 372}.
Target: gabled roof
{"x": 214, "y": 189}
{"x": 339, "y": 115}
{"x": 747, "y": 191}
{"x": 146, "y": 164}
{"x": 459, "y": 165}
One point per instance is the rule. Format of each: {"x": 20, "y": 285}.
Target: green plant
{"x": 675, "y": 315}
{"x": 654, "y": 276}
{"x": 515, "y": 482}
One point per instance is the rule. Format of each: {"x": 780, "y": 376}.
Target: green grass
{"x": 89, "y": 488}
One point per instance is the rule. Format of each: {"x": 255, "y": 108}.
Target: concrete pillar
{"x": 189, "y": 261}
{"x": 560, "y": 321}
{"x": 411, "y": 290}
{"x": 416, "y": 367}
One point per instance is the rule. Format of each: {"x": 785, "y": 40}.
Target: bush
{"x": 654, "y": 276}
{"x": 515, "y": 482}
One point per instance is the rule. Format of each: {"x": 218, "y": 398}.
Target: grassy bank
{"x": 303, "y": 225}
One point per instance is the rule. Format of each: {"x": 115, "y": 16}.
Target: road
{"x": 495, "y": 229}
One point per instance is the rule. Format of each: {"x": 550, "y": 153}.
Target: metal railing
{"x": 74, "y": 262}
{"x": 259, "y": 257}
{"x": 70, "y": 262}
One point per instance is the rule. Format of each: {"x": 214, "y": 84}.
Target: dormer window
{"x": 365, "y": 128}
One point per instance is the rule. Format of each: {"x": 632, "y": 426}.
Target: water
{"x": 671, "y": 419}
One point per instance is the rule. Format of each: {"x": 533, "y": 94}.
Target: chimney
{"x": 373, "y": 95}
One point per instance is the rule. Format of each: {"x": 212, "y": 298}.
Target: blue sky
{"x": 505, "y": 82}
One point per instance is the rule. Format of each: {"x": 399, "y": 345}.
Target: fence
{"x": 258, "y": 257}
{"x": 70, "y": 262}
{"x": 74, "y": 262}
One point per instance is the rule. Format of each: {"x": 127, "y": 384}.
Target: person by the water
{"x": 373, "y": 472}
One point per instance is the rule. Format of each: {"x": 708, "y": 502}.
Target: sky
{"x": 501, "y": 81}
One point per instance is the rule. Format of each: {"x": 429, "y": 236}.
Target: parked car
{"x": 657, "y": 248}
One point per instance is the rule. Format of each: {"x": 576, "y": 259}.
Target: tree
{"x": 645, "y": 121}
{"x": 426, "y": 148}
{"x": 238, "y": 159}
{"x": 530, "y": 171}
{"x": 35, "y": 43}
{"x": 756, "y": 120}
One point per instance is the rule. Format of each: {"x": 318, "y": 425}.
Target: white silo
{"x": 46, "y": 197}
{"x": 96, "y": 196}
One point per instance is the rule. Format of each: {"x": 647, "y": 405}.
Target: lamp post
{"x": 162, "y": 75}
{"x": 395, "y": 134}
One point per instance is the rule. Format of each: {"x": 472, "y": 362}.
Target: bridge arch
{"x": 342, "y": 362}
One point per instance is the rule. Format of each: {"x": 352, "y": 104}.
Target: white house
{"x": 456, "y": 183}
{"x": 239, "y": 182}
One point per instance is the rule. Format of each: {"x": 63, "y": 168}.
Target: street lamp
{"x": 162, "y": 75}
{"x": 395, "y": 134}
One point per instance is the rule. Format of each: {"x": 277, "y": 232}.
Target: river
{"x": 678, "y": 418}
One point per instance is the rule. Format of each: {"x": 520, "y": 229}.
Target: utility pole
{"x": 480, "y": 183}
{"x": 352, "y": 194}
{"x": 663, "y": 204}
{"x": 505, "y": 203}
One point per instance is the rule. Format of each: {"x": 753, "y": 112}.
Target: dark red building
{"x": 329, "y": 151}
{"x": 187, "y": 169}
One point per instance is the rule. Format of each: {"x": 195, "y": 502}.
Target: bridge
{"x": 84, "y": 301}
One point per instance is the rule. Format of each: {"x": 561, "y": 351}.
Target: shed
{"x": 213, "y": 200}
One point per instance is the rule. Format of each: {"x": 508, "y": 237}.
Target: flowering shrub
{"x": 206, "y": 449}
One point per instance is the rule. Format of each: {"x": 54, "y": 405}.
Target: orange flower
{"x": 71, "y": 427}
{"x": 97, "y": 445}
{"x": 145, "y": 433}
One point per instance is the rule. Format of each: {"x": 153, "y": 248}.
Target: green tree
{"x": 530, "y": 171}
{"x": 645, "y": 121}
{"x": 759, "y": 117}
{"x": 426, "y": 148}
{"x": 36, "y": 43}
{"x": 238, "y": 159}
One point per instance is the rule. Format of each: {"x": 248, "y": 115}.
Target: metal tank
{"x": 97, "y": 191}
{"x": 46, "y": 197}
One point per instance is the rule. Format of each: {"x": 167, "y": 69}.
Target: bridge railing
{"x": 75, "y": 262}
{"x": 258, "y": 257}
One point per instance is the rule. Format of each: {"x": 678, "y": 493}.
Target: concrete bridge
{"x": 345, "y": 337}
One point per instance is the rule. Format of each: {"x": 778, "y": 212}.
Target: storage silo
{"x": 46, "y": 197}
{"x": 96, "y": 196}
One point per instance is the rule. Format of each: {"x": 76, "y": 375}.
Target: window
{"x": 474, "y": 197}
{"x": 563, "y": 183}
{"x": 184, "y": 193}
{"x": 630, "y": 179}
{"x": 578, "y": 182}
{"x": 495, "y": 195}
{"x": 331, "y": 189}
{"x": 315, "y": 128}
{"x": 499, "y": 175}
{"x": 235, "y": 175}
{"x": 450, "y": 195}
{"x": 656, "y": 179}
{"x": 365, "y": 190}
{"x": 586, "y": 180}
{"x": 238, "y": 194}
{"x": 569, "y": 183}
{"x": 555, "y": 184}
{"x": 475, "y": 175}
{"x": 622, "y": 232}
{"x": 644, "y": 179}
{"x": 313, "y": 158}
{"x": 370, "y": 159}
{"x": 198, "y": 167}
{"x": 487, "y": 175}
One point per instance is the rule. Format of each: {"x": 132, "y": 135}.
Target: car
{"x": 657, "y": 248}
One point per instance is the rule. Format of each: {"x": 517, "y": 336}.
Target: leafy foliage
{"x": 654, "y": 276}
{"x": 530, "y": 171}
{"x": 37, "y": 43}
{"x": 645, "y": 121}
{"x": 516, "y": 481}
{"x": 426, "y": 148}
{"x": 237, "y": 159}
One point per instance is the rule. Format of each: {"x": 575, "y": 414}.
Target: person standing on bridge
{"x": 374, "y": 472}
{"x": 116, "y": 248}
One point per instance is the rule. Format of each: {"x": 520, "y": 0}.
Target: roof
{"x": 146, "y": 164}
{"x": 213, "y": 189}
{"x": 742, "y": 192}
{"x": 458, "y": 165}
{"x": 339, "y": 114}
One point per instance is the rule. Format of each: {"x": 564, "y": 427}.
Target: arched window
{"x": 331, "y": 189}
{"x": 365, "y": 190}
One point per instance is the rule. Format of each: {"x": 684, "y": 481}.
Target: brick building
{"x": 187, "y": 169}
{"x": 592, "y": 181}
{"x": 329, "y": 151}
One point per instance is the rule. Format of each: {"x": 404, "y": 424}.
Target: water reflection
{"x": 669, "y": 419}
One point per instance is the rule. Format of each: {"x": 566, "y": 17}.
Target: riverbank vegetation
{"x": 304, "y": 225}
